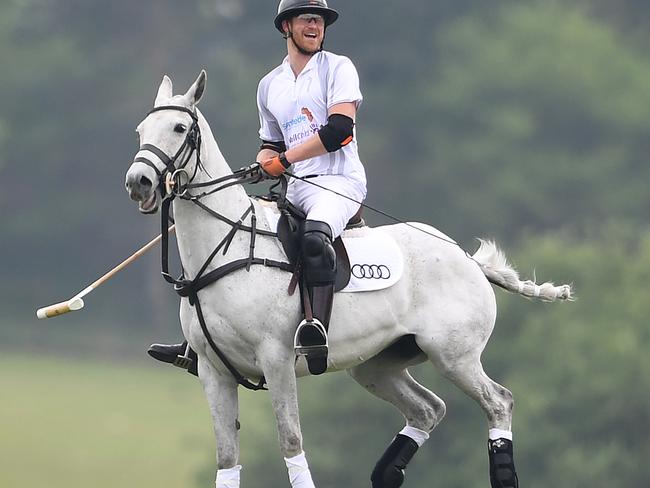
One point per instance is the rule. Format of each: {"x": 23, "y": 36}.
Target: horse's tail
{"x": 499, "y": 272}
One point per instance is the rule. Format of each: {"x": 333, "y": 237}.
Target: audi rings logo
{"x": 371, "y": 271}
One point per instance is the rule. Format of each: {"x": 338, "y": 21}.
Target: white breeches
{"x": 325, "y": 206}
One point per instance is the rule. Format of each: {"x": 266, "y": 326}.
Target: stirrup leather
{"x": 310, "y": 350}
{"x": 184, "y": 361}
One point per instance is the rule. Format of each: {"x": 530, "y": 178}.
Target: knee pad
{"x": 389, "y": 470}
{"x": 318, "y": 255}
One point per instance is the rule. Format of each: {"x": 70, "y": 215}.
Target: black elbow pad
{"x": 338, "y": 132}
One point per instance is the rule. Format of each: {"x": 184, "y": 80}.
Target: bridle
{"x": 191, "y": 144}
{"x": 171, "y": 180}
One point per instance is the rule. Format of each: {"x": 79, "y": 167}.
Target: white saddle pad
{"x": 376, "y": 261}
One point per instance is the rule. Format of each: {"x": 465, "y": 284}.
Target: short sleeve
{"x": 343, "y": 83}
{"x": 269, "y": 127}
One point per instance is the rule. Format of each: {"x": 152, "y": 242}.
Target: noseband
{"x": 191, "y": 144}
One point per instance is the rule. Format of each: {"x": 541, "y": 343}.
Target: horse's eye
{"x": 180, "y": 128}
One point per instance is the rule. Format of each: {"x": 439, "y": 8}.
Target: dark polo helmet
{"x": 291, "y": 8}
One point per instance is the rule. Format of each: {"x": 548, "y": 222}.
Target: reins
{"x": 376, "y": 210}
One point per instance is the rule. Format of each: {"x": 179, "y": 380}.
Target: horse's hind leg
{"x": 496, "y": 401}
{"x": 421, "y": 408}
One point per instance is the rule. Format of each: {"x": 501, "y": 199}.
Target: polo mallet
{"x": 76, "y": 302}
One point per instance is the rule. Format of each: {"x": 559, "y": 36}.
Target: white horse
{"x": 443, "y": 309}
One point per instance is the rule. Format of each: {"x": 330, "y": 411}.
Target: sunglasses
{"x": 307, "y": 18}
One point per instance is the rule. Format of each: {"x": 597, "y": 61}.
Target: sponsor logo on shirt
{"x": 301, "y": 119}
{"x": 297, "y": 127}
{"x": 307, "y": 113}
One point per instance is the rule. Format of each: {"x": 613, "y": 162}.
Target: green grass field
{"x": 82, "y": 423}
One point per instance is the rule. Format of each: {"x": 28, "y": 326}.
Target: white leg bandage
{"x": 495, "y": 434}
{"x": 228, "y": 478}
{"x": 419, "y": 436}
{"x": 299, "y": 474}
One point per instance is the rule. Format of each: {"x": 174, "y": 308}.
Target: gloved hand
{"x": 275, "y": 166}
{"x": 256, "y": 173}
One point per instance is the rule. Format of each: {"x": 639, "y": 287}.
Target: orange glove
{"x": 275, "y": 166}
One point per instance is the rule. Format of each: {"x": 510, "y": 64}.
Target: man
{"x": 307, "y": 107}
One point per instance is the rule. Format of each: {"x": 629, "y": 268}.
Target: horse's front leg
{"x": 221, "y": 393}
{"x": 281, "y": 379}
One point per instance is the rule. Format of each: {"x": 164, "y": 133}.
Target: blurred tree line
{"x": 525, "y": 121}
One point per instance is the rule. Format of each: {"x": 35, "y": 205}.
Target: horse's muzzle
{"x": 141, "y": 190}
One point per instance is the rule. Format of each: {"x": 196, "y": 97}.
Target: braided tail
{"x": 499, "y": 272}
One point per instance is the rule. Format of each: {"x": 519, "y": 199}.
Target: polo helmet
{"x": 290, "y": 8}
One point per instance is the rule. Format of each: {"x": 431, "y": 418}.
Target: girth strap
{"x": 243, "y": 381}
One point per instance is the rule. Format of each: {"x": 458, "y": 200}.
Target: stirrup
{"x": 184, "y": 361}
{"x": 311, "y": 350}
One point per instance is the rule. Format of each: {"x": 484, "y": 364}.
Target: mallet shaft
{"x": 127, "y": 262}
{"x": 76, "y": 302}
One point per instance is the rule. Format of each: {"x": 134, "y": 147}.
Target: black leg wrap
{"x": 502, "y": 467}
{"x": 389, "y": 470}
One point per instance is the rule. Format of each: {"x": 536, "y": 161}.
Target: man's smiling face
{"x": 308, "y": 31}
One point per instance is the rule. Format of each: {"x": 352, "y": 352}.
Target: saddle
{"x": 289, "y": 235}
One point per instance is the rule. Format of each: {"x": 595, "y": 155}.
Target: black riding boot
{"x": 180, "y": 355}
{"x": 319, "y": 273}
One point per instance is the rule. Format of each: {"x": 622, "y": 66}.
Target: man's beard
{"x": 302, "y": 50}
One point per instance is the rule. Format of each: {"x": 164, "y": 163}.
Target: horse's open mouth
{"x": 150, "y": 205}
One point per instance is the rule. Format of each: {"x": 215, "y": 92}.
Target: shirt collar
{"x": 311, "y": 64}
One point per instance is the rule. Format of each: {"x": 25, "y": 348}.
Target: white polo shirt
{"x": 294, "y": 108}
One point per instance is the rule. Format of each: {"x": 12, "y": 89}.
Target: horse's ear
{"x": 195, "y": 92}
{"x": 164, "y": 91}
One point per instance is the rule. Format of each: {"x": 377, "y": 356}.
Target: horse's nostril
{"x": 145, "y": 182}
